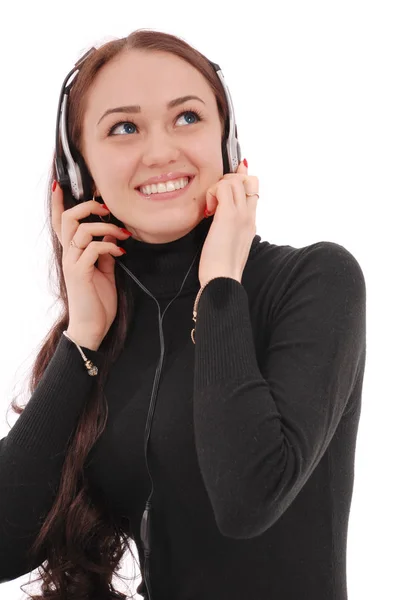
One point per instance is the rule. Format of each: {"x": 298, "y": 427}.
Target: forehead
{"x": 149, "y": 79}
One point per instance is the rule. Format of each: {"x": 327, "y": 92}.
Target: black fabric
{"x": 253, "y": 440}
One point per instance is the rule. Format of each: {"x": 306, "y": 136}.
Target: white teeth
{"x": 167, "y": 186}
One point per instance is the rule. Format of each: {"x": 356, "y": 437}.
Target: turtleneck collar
{"x": 161, "y": 268}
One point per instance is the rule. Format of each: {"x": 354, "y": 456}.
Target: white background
{"x": 317, "y": 97}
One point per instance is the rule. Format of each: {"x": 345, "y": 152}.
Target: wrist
{"x": 90, "y": 342}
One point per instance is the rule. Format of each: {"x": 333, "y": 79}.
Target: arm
{"x": 262, "y": 422}
{"x": 33, "y": 452}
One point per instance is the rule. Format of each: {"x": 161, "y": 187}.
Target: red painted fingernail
{"x": 125, "y": 231}
{"x": 54, "y": 185}
{"x": 245, "y": 162}
{"x": 104, "y": 206}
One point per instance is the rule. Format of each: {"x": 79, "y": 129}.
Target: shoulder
{"x": 327, "y": 280}
{"x": 332, "y": 261}
{"x": 321, "y": 271}
{"x": 284, "y": 260}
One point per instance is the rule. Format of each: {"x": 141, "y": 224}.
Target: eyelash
{"x": 198, "y": 114}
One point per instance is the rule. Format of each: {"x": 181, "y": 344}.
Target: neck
{"x": 161, "y": 267}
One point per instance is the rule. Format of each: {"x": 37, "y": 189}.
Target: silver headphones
{"x": 71, "y": 171}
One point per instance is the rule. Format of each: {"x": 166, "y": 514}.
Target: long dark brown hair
{"x": 82, "y": 544}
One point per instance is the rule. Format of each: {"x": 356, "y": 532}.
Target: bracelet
{"x": 195, "y": 311}
{"x": 92, "y": 369}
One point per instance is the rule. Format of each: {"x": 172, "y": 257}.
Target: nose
{"x": 159, "y": 148}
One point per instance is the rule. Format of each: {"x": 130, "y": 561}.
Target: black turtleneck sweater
{"x": 252, "y": 445}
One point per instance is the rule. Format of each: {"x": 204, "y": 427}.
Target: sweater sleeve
{"x": 263, "y": 422}
{"x": 33, "y": 453}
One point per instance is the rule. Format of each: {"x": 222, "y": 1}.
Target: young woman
{"x": 200, "y": 393}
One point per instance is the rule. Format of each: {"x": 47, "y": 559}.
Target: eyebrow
{"x": 135, "y": 108}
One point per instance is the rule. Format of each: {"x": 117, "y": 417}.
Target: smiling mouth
{"x": 166, "y": 195}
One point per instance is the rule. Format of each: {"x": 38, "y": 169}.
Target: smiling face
{"x": 124, "y": 149}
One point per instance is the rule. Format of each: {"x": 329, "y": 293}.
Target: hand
{"x": 91, "y": 291}
{"x": 227, "y": 245}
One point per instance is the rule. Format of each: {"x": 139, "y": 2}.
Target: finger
{"x": 242, "y": 168}
{"x": 106, "y": 262}
{"x": 251, "y": 184}
{"x": 70, "y": 219}
{"x": 211, "y": 194}
{"x": 237, "y": 183}
{"x": 87, "y": 231}
{"x": 57, "y": 208}
{"x": 219, "y": 192}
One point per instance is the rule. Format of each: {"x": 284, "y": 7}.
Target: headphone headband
{"x": 71, "y": 171}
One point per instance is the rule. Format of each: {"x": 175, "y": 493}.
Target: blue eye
{"x": 123, "y": 123}
{"x": 197, "y": 115}
{"x": 190, "y": 112}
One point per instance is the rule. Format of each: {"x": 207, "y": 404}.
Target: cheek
{"x": 206, "y": 153}
{"x": 115, "y": 166}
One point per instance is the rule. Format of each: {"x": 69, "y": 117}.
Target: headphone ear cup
{"x": 61, "y": 172}
{"x": 226, "y": 166}
{"x": 239, "y": 155}
{"x": 86, "y": 178}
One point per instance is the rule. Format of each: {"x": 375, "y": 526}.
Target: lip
{"x": 165, "y": 177}
{"x": 168, "y": 195}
